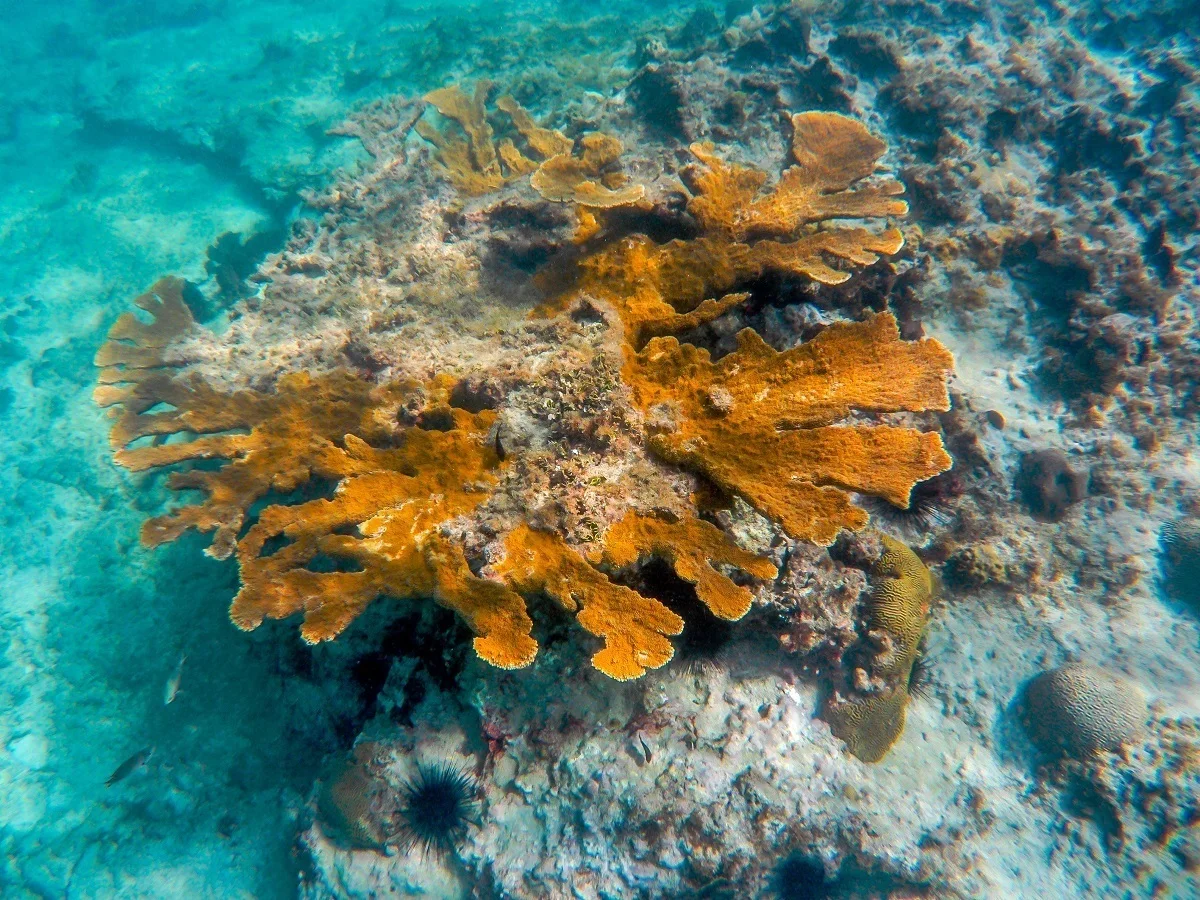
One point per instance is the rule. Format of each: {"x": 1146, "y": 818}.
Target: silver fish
{"x": 172, "y": 689}
{"x": 127, "y": 768}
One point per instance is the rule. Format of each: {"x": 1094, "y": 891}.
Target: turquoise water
{"x": 135, "y": 135}
{"x": 139, "y": 139}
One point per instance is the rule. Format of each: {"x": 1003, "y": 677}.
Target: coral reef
{"x": 407, "y": 462}
{"x": 396, "y": 498}
{"x": 1077, "y": 710}
{"x": 594, "y": 462}
{"x": 789, "y": 457}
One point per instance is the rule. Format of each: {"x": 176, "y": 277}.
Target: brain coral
{"x": 1078, "y": 709}
{"x": 420, "y": 490}
{"x": 897, "y": 606}
{"x": 1180, "y": 557}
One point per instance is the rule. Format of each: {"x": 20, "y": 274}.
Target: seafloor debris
{"x": 415, "y": 473}
{"x": 1048, "y": 485}
{"x": 1078, "y": 709}
{"x": 897, "y": 614}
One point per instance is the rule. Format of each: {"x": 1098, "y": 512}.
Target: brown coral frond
{"x": 562, "y": 170}
{"x": 807, "y": 256}
{"x": 671, "y": 322}
{"x": 516, "y": 161}
{"x": 694, "y": 549}
{"x": 634, "y": 628}
{"x": 282, "y": 440}
{"x": 471, "y": 115}
{"x": 564, "y": 178}
{"x": 658, "y": 288}
{"x": 772, "y": 437}
{"x": 833, "y": 152}
{"x": 133, "y": 350}
{"x": 545, "y": 142}
{"x": 395, "y": 499}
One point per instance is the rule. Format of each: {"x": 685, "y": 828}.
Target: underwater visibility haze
{"x": 639, "y": 450}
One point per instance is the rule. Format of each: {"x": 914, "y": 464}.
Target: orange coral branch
{"x": 133, "y": 351}
{"x": 396, "y": 498}
{"x": 545, "y": 142}
{"x": 694, "y": 549}
{"x": 767, "y": 425}
{"x": 833, "y": 153}
{"x": 633, "y": 627}
{"x": 472, "y": 163}
{"x": 562, "y": 170}
{"x": 761, "y": 423}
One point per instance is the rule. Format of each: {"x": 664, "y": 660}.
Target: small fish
{"x": 172, "y": 690}
{"x": 131, "y": 765}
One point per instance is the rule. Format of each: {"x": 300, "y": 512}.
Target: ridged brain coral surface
{"x": 1079, "y": 709}
{"x": 899, "y": 605}
{"x": 764, "y": 424}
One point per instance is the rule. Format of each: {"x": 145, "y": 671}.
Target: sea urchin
{"x": 437, "y": 804}
{"x": 920, "y": 677}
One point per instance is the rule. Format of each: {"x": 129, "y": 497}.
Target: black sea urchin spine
{"x": 437, "y": 805}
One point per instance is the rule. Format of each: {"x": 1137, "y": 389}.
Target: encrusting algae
{"x": 415, "y": 475}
